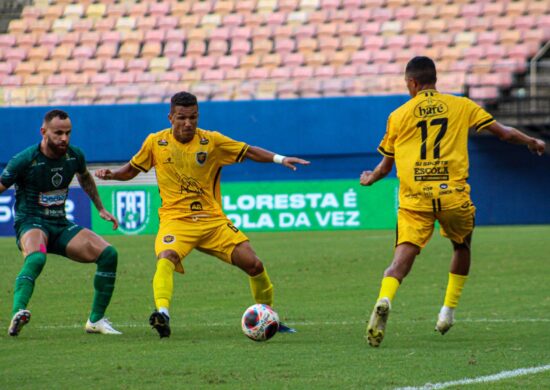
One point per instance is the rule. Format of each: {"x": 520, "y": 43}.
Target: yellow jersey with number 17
{"x": 188, "y": 175}
{"x": 428, "y": 138}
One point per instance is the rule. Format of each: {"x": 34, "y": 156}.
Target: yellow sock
{"x": 163, "y": 283}
{"x": 389, "y": 288}
{"x": 262, "y": 289}
{"x": 454, "y": 289}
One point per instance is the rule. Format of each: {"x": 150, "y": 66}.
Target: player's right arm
{"x": 514, "y": 136}
{"x": 2, "y": 188}
{"x": 124, "y": 173}
{"x": 382, "y": 169}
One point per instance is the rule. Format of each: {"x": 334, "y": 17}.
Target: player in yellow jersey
{"x": 427, "y": 139}
{"x": 188, "y": 161}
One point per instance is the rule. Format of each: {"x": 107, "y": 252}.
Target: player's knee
{"x": 169, "y": 255}
{"x": 256, "y": 267}
{"x": 108, "y": 259}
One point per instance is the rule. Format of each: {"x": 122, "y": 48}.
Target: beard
{"x": 57, "y": 149}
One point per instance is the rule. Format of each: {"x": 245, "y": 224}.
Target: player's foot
{"x": 377, "y": 322}
{"x": 102, "y": 326}
{"x": 20, "y": 319}
{"x": 445, "y": 320}
{"x": 161, "y": 322}
{"x": 285, "y": 329}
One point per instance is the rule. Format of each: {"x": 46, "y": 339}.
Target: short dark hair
{"x": 422, "y": 69}
{"x": 184, "y": 99}
{"x": 55, "y": 114}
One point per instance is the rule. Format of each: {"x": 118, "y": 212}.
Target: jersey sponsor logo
{"x": 168, "y": 239}
{"x": 53, "y": 198}
{"x": 201, "y": 157}
{"x": 168, "y": 161}
{"x": 443, "y": 186}
{"x": 430, "y": 107}
{"x": 162, "y": 142}
{"x": 57, "y": 179}
{"x": 196, "y": 206}
{"x": 431, "y": 174}
{"x": 204, "y": 141}
{"x": 132, "y": 210}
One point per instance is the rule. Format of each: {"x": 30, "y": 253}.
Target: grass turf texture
{"x": 325, "y": 286}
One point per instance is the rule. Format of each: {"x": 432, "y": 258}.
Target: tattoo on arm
{"x": 88, "y": 185}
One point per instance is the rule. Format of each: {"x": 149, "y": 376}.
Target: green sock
{"x": 104, "y": 282}
{"x": 24, "y": 283}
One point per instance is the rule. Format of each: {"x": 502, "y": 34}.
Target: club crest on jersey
{"x": 196, "y": 206}
{"x": 168, "y": 239}
{"x": 162, "y": 142}
{"x": 57, "y": 179}
{"x": 204, "y": 141}
{"x": 201, "y": 157}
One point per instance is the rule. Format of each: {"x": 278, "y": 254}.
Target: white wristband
{"x": 277, "y": 158}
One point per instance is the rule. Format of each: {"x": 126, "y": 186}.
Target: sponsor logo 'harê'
{"x": 429, "y": 108}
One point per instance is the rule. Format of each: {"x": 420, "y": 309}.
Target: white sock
{"x": 164, "y": 311}
{"x": 447, "y": 312}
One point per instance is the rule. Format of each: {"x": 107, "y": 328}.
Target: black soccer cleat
{"x": 160, "y": 322}
{"x": 285, "y": 329}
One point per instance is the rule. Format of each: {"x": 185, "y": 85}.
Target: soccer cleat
{"x": 161, "y": 322}
{"x": 445, "y": 320}
{"x": 102, "y": 326}
{"x": 377, "y": 322}
{"x": 20, "y": 319}
{"x": 285, "y": 329}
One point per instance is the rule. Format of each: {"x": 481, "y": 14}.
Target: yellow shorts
{"x": 417, "y": 227}
{"x": 217, "y": 237}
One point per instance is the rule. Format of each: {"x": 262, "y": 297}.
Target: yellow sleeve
{"x": 387, "y": 146}
{"x": 143, "y": 160}
{"x": 229, "y": 151}
{"x": 479, "y": 118}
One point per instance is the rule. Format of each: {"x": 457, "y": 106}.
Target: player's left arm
{"x": 87, "y": 183}
{"x": 382, "y": 170}
{"x": 514, "y": 136}
{"x": 261, "y": 155}
{"x": 2, "y": 187}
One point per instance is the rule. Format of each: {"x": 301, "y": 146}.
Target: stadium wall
{"x": 339, "y": 136}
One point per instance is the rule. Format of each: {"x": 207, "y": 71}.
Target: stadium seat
{"x": 62, "y": 96}
{"x": 128, "y": 50}
{"x": 26, "y": 41}
{"x": 302, "y": 72}
{"x": 56, "y": 80}
{"x": 298, "y": 18}
{"x": 106, "y": 50}
{"x": 293, "y": 60}
{"x": 214, "y": 75}
{"x": 492, "y": 9}
{"x": 203, "y": 63}
{"x": 114, "y": 66}
{"x": 105, "y": 24}
{"x": 257, "y": 74}
{"x": 224, "y": 7}
{"x": 324, "y": 72}
{"x": 311, "y": 5}
{"x": 228, "y": 62}
{"x": 58, "y": 26}
{"x": 95, "y": 11}
{"x": 123, "y": 78}
{"x": 15, "y": 54}
{"x": 217, "y": 48}
{"x": 183, "y": 64}
{"x": 137, "y": 65}
{"x": 46, "y": 68}
{"x": 7, "y": 40}
{"x": 316, "y": 59}
{"x": 282, "y": 73}
{"x": 69, "y": 66}
{"x": 18, "y": 26}
{"x": 151, "y": 50}
{"x": 91, "y": 66}
{"x": 25, "y": 68}
{"x": 167, "y": 23}
{"x": 11, "y": 81}
{"x": 270, "y": 61}
{"x": 283, "y": 46}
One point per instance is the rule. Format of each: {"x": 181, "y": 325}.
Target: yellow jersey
{"x": 188, "y": 175}
{"x": 428, "y": 138}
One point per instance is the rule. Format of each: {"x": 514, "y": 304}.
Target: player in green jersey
{"x": 42, "y": 174}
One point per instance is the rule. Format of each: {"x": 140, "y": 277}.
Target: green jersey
{"x": 41, "y": 183}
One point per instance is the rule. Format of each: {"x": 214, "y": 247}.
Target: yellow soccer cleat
{"x": 377, "y": 322}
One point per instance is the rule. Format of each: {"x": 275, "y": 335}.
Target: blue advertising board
{"x": 77, "y": 208}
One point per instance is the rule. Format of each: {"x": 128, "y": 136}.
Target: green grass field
{"x": 325, "y": 286}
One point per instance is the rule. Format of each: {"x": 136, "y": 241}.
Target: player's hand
{"x": 103, "y": 174}
{"x": 109, "y": 217}
{"x": 290, "y": 161}
{"x": 537, "y": 146}
{"x": 367, "y": 178}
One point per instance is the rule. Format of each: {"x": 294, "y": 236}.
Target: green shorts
{"x": 59, "y": 232}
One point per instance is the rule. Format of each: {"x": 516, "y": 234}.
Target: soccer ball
{"x": 260, "y": 322}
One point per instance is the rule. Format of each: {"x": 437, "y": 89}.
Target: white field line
{"x": 300, "y": 323}
{"x": 481, "y": 379}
